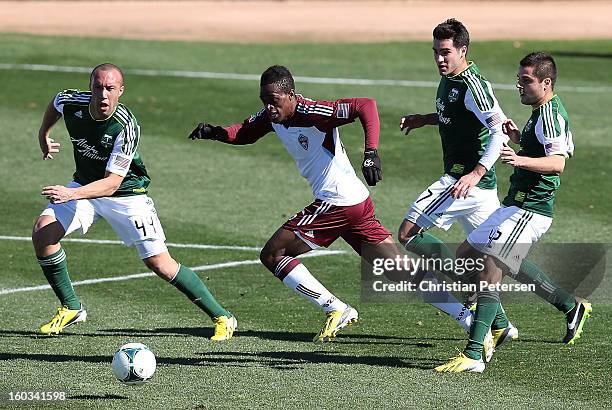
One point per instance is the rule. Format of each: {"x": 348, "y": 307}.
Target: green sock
{"x": 501, "y": 320}
{"x": 192, "y": 286}
{"x": 55, "y": 269}
{"x": 430, "y": 246}
{"x": 486, "y": 309}
{"x": 545, "y": 287}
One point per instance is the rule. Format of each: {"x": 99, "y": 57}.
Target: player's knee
{"x": 266, "y": 256}
{"x": 165, "y": 267}
{"x": 403, "y": 237}
{"x": 46, "y": 232}
{"x": 406, "y": 232}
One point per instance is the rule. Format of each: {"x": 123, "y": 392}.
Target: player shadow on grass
{"x": 346, "y": 338}
{"x": 277, "y": 360}
{"x": 295, "y": 360}
{"x": 205, "y": 332}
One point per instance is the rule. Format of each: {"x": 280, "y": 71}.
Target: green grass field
{"x": 210, "y": 193}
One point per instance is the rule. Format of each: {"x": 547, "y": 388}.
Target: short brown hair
{"x": 454, "y": 30}
{"x": 543, "y": 64}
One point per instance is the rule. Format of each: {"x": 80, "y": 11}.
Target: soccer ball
{"x": 133, "y": 364}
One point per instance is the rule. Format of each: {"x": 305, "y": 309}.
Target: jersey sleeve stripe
{"x": 315, "y": 109}
{"x": 127, "y": 141}
{"x": 73, "y": 99}
{"x": 548, "y": 121}
{"x": 123, "y": 115}
{"x": 308, "y": 107}
{"x": 481, "y": 96}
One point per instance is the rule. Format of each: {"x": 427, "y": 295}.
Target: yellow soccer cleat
{"x": 65, "y": 317}
{"x": 507, "y": 334}
{"x": 224, "y": 328}
{"x": 336, "y": 320}
{"x": 460, "y": 364}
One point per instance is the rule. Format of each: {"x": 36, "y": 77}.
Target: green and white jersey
{"x": 100, "y": 146}
{"x": 470, "y": 120}
{"x": 546, "y": 133}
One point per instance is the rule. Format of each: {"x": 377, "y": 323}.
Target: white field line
{"x": 113, "y": 242}
{"x": 149, "y": 274}
{"x": 255, "y": 77}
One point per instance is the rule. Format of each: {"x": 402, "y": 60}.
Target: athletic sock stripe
{"x": 284, "y": 262}
{"x": 547, "y": 287}
{"x": 53, "y": 261}
{"x": 302, "y": 289}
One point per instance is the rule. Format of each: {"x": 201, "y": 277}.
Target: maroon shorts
{"x": 322, "y": 223}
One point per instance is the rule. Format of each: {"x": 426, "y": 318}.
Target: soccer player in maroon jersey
{"x": 342, "y": 206}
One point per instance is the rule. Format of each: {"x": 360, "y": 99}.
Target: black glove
{"x": 204, "y": 132}
{"x": 372, "y": 171}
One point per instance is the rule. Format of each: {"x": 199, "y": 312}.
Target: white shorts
{"x": 133, "y": 218}
{"x": 436, "y": 207}
{"x": 508, "y": 234}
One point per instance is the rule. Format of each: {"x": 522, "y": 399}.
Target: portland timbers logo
{"x": 453, "y": 96}
{"x": 303, "y": 140}
{"x": 106, "y": 141}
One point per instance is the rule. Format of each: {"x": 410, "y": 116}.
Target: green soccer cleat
{"x": 507, "y": 334}
{"x": 336, "y": 320}
{"x": 63, "y": 318}
{"x": 575, "y": 321}
{"x": 224, "y": 328}
{"x": 460, "y": 364}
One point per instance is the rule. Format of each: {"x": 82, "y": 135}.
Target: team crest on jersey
{"x": 453, "y": 96}
{"x": 106, "y": 141}
{"x": 303, "y": 140}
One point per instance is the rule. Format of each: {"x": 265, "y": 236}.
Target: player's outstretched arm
{"x": 106, "y": 186}
{"x": 247, "y": 132}
{"x": 47, "y": 145}
{"x": 412, "y": 121}
{"x": 204, "y": 131}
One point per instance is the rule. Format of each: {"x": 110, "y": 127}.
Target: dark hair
{"x": 543, "y": 64}
{"x": 105, "y": 67}
{"x": 280, "y": 76}
{"x": 454, "y": 30}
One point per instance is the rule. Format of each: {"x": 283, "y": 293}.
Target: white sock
{"x": 447, "y": 303}
{"x": 303, "y": 283}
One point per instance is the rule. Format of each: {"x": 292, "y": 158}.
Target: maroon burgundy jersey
{"x": 312, "y": 138}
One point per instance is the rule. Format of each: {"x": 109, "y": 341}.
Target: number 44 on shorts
{"x": 148, "y": 226}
